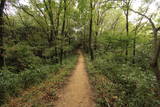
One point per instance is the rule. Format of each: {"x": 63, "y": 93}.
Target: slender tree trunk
{"x": 84, "y": 40}
{"x": 97, "y": 31}
{"x": 63, "y": 30}
{"x": 58, "y": 17}
{"x": 127, "y": 32}
{"x": 56, "y": 54}
{"x": 48, "y": 7}
{"x": 126, "y": 12}
{"x": 61, "y": 55}
{"x": 1, "y": 33}
{"x": 95, "y": 42}
{"x": 90, "y": 31}
{"x": 57, "y": 30}
{"x": 51, "y": 37}
{"x": 134, "y": 48}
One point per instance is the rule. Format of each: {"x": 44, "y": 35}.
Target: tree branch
{"x": 158, "y": 29}
{"x": 148, "y": 18}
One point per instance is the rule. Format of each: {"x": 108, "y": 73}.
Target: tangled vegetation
{"x": 120, "y": 39}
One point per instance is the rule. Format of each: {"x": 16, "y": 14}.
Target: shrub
{"x": 29, "y": 78}
{"x": 12, "y": 83}
{"x": 21, "y": 57}
{"x": 9, "y": 85}
{"x": 132, "y": 86}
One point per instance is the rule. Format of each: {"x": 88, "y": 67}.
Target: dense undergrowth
{"x": 44, "y": 93}
{"x": 118, "y": 84}
{"x": 26, "y": 69}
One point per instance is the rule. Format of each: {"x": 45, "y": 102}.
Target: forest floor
{"x": 77, "y": 92}
{"x": 65, "y": 89}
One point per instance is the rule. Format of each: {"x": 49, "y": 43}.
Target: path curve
{"x": 77, "y": 93}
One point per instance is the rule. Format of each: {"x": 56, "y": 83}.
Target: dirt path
{"x": 78, "y": 92}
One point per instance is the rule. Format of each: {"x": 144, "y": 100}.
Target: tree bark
{"x": 127, "y": 29}
{"x": 90, "y": 31}
{"x": 63, "y": 31}
{"x": 134, "y": 48}
{"x": 50, "y": 15}
{"x": 2, "y": 33}
{"x": 97, "y": 31}
{"x": 57, "y": 30}
{"x": 155, "y": 57}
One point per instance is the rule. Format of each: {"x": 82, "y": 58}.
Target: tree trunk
{"x": 90, "y": 31}
{"x": 95, "y": 41}
{"x": 51, "y": 37}
{"x": 48, "y": 7}
{"x": 1, "y": 33}
{"x": 57, "y": 31}
{"x": 63, "y": 30}
{"x": 61, "y": 55}
{"x": 84, "y": 40}
{"x": 56, "y": 54}
{"x": 155, "y": 58}
{"x": 134, "y": 48}
{"x": 127, "y": 31}
{"x": 97, "y": 31}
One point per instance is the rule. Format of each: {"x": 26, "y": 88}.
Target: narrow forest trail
{"x": 77, "y": 92}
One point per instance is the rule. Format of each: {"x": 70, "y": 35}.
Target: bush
{"x": 31, "y": 77}
{"x": 21, "y": 57}
{"x": 9, "y": 85}
{"x": 130, "y": 84}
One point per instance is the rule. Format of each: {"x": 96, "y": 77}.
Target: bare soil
{"x": 77, "y": 92}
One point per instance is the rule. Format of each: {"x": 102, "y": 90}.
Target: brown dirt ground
{"x": 77, "y": 92}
